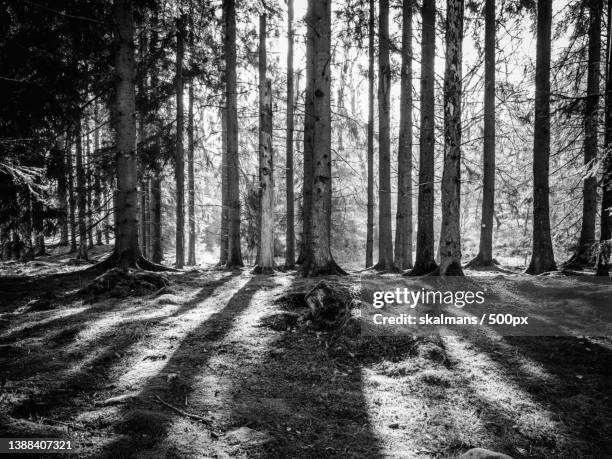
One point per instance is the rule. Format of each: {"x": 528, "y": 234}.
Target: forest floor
{"x": 205, "y": 367}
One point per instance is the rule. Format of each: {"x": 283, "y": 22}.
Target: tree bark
{"x": 584, "y": 255}
{"x": 403, "y": 225}
{"x": 424, "y": 262}
{"x": 71, "y": 198}
{"x": 157, "y": 254}
{"x": 62, "y": 189}
{"x": 127, "y": 251}
{"x": 542, "y": 258}
{"x": 605, "y": 238}
{"x": 81, "y": 192}
{"x": 224, "y": 242}
{"x": 385, "y": 235}
{"x": 485, "y": 251}
{"x": 265, "y": 256}
{"x": 89, "y": 187}
{"x": 179, "y": 153}
{"x": 234, "y": 256}
{"x": 290, "y": 236}
{"x": 308, "y": 146}
{"x": 450, "y": 234}
{"x": 191, "y": 252}
{"x": 319, "y": 260}
{"x": 97, "y": 182}
{"x": 370, "y": 134}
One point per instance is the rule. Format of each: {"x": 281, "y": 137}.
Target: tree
{"x": 71, "y": 198}
{"x": 485, "y": 251}
{"x": 319, "y": 260}
{"x": 584, "y": 254}
{"x": 191, "y": 250}
{"x": 370, "y": 221}
{"x": 234, "y": 255}
{"x": 224, "y": 239}
{"x": 59, "y": 154}
{"x": 542, "y": 258}
{"x": 265, "y": 258}
{"x": 179, "y": 157}
{"x": 605, "y": 238}
{"x": 385, "y": 235}
{"x": 81, "y": 192}
{"x": 290, "y": 237}
{"x": 403, "y": 222}
{"x": 424, "y": 262}
{"x": 450, "y": 233}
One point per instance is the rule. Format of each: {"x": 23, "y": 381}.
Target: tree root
{"x": 310, "y": 269}
{"x": 422, "y": 269}
{"x": 120, "y": 283}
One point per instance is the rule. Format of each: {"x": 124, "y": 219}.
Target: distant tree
{"x": 403, "y": 224}
{"x": 191, "y": 250}
{"x": 290, "y": 236}
{"x": 485, "y": 251}
{"x": 179, "y": 158}
{"x": 81, "y": 191}
{"x": 265, "y": 258}
{"x": 424, "y": 262}
{"x": 542, "y": 258}
{"x": 370, "y": 219}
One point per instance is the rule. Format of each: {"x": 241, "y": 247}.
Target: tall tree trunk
{"x": 309, "y": 123}
{"x": 450, "y": 233}
{"x": 224, "y": 242}
{"x": 370, "y": 219}
{"x": 157, "y": 254}
{"x": 71, "y": 198}
{"x": 265, "y": 256}
{"x": 319, "y": 260}
{"x": 585, "y": 253}
{"x": 403, "y": 225}
{"x": 81, "y": 192}
{"x": 62, "y": 188}
{"x": 424, "y": 262}
{"x": 179, "y": 157}
{"x": 385, "y": 235}
{"x": 191, "y": 255}
{"x": 97, "y": 182}
{"x": 127, "y": 252}
{"x": 485, "y": 251}
{"x": 155, "y": 226}
{"x": 234, "y": 256}
{"x": 89, "y": 186}
{"x": 290, "y": 236}
{"x": 605, "y": 238}
{"x": 542, "y": 258}
{"x": 38, "y": 227}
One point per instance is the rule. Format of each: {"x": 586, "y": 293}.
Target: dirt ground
{"x": 207, "y": 367}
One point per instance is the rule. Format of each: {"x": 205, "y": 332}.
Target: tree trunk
{"x": 403, "y": 225}
{"x": 97, "y": 182}
{"x": 385, "y": 235}
{"x": 605, "y": 244}
{"x": 157, "y": 254}
{"x": 370, "y": 220}
{"x": 319, "y": 260}
{"x": 234, "y": 256}
{"x": 191, "y": 255}
{"x": 485, "y": 251}
{"x": 450, "y": 234}
{"x": 290, "y": 236}
{"x": 38, "y": 227}
{"x": 424, "y": 262}
{"x": 81, "y": 192}
{"x": 179, "y": 158}
{"x": 308, "y": 147}
{"x": 89, "y": 187}
{"x": 584, "y": 256}
{"x": 265, "y": 256}
{"x": 71, "y": 198}
{"x": 542, "y": 258}
{"x": 127, "y": 251}
{"x": 224, "y": 243}
{"x": 62, "y": 189}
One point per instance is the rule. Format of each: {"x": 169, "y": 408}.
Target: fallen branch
{"x": 192, "y": 416}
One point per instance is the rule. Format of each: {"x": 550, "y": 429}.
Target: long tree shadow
{"x": 144, "y": 422}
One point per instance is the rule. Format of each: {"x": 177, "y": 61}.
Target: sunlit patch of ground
{"x": 194, "y": 371}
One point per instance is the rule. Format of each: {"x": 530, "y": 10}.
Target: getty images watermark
{"x": 468, "y": 306}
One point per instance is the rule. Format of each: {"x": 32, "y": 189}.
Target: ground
{"x": 209, "y": 367}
